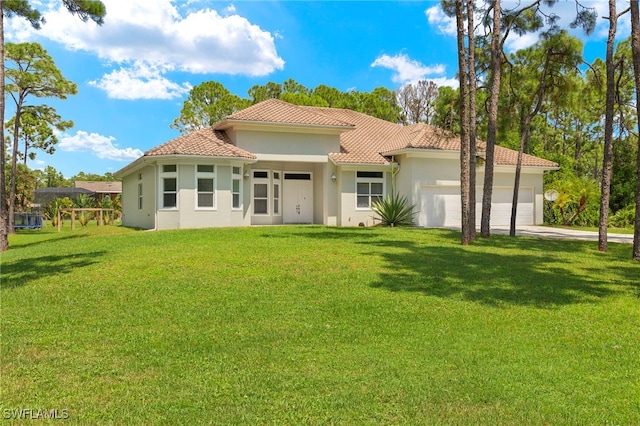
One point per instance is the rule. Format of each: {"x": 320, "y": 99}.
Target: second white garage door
{"x": 440, "y": 206}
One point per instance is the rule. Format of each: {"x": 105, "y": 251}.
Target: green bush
{"x": 624, "y": 218}
{"x": 394, "y": 210}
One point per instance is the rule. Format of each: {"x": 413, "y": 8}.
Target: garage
{"x": 440, "y": 206}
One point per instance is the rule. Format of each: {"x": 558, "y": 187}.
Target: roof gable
{"x": 275, "y": 111}
{"x": 204, "y": 142}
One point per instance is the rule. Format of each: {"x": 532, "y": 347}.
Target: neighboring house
{"x": 101, "y": 189}
{"x": 278, "y": 163}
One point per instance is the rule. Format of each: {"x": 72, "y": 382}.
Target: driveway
{"x": 568, "y": 234}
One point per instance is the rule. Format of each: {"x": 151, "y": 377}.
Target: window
{"x": 205, "y": 184}
{"x": 139, "y": 196}
{"x": 260, "y": 192}
{"x": 276, "y": 193}
{"x": 236, "y": 188}
{"x": 169, "y": 192}
{"x": 369, "y": 188}
{"x": 169, "y": 186}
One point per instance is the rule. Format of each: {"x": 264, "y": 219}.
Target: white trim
{"x": 260, "y": 180}
{"x": 162, "y": 175}
{"x": 237, "y": 177}
{"x": 206, "y": 175}
{"x": 369, "y": 180}
{"x": 277, "y": 182}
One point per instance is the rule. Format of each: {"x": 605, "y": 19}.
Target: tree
{"x": 534, "y": 73}
{"x": 37, "y": 124}
{"x": 608, "y": 127}
{"x": 635, "y": 47}
{"x": 417, "y": 101}
{"x": 207, "y": 104}
{"x": 85, "y": 9}
{"x": 30, "y": 71}
{"x": 463, "y": 77}
{"x": 495, "y": 72}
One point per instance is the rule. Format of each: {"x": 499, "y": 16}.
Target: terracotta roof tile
{"x": 206, "y": 142}
{"x": 277, "y": 111}
{"x": 367, "y": 140}
{"x": 364, "y": 144}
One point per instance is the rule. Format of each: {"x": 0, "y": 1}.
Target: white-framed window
{"x": 369, "y": 188}
{"x": 260, "y": 184}
{"x": 169, "y": 186}
{"x": 236, "y": 188}
{"x": 276, "y": 193}
{"x": 139, "y": 196}
{"x": 206, "y": 186}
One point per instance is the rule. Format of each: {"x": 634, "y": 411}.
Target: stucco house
{"x": 278, "y": 163}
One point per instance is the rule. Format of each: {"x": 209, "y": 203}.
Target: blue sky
{"x": 134, "y": 72}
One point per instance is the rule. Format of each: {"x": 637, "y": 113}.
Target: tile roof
{"x": 99, "y": 187}
{"x": 277, "y": 111}
{"x": 369, "y": 140}
{"x": 206, "y": 142}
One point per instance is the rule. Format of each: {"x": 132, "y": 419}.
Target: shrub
{"x": 624, "y": 218}
{"x": 394, "y": 210}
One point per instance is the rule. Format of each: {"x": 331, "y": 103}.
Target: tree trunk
{"x": 496, "y": 67}
{"x": 471, "y": 64}
{"x": 635, "y": 49}
{"x": 464, "y": 122}
{"x": 4, "y": 211}
{"x": 516, "y": 184}
{"x": 524, "y": 140}
{"x": 14, "y": 169}
{"x": 608, "y": 129}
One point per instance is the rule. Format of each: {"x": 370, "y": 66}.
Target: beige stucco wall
{"x": 416, "y": 172}
{"x": 350, "y": 215}
{"x": 131, "y": 215}
{"x": 285, "y": 143}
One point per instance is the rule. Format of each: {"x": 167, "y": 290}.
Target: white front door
{"x": 297, "y": 198}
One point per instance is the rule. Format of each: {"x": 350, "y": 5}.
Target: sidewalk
{"x": 569, "y": 234}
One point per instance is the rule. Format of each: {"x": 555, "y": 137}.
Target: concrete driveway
{"x": 567, "y": 234}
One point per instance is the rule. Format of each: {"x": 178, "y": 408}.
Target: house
{"x": 278, "y": 163}
{"x": 100, "y": 189}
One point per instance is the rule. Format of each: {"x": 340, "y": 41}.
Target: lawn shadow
{"x": 21, "y": 272}
{"x": 45, "y": 241}
{"x": 495, "y": 278}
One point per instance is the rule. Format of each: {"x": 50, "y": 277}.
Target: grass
{"x": 315, "y": 325}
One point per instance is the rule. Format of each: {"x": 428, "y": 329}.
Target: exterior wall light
{"x": 333, "y": 177}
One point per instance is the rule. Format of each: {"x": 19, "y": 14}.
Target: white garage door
{"x": 440, "y": 206}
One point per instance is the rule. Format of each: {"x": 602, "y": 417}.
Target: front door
{"x": 297, "y": 198}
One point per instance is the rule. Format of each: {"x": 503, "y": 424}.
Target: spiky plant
{"x": 394, "y": 210}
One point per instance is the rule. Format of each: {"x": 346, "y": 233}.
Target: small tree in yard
{"x": 394, "y": 210}
{"x": 575, "y": 195}
{"x": 85, "y": 202}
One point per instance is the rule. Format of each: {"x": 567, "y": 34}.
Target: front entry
{"x": 297, "y": 198}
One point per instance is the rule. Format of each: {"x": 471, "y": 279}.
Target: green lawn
{"x": 315, "y": 325}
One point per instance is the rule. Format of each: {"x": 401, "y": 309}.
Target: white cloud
{"x": 445, "y": 24}
{"x": 565, "y": 11}
{"x": 140, "y": 82}
{"x": 101, "y": 146}
{"x": 406, "y": 69}
{"x": 155, "y": 33}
